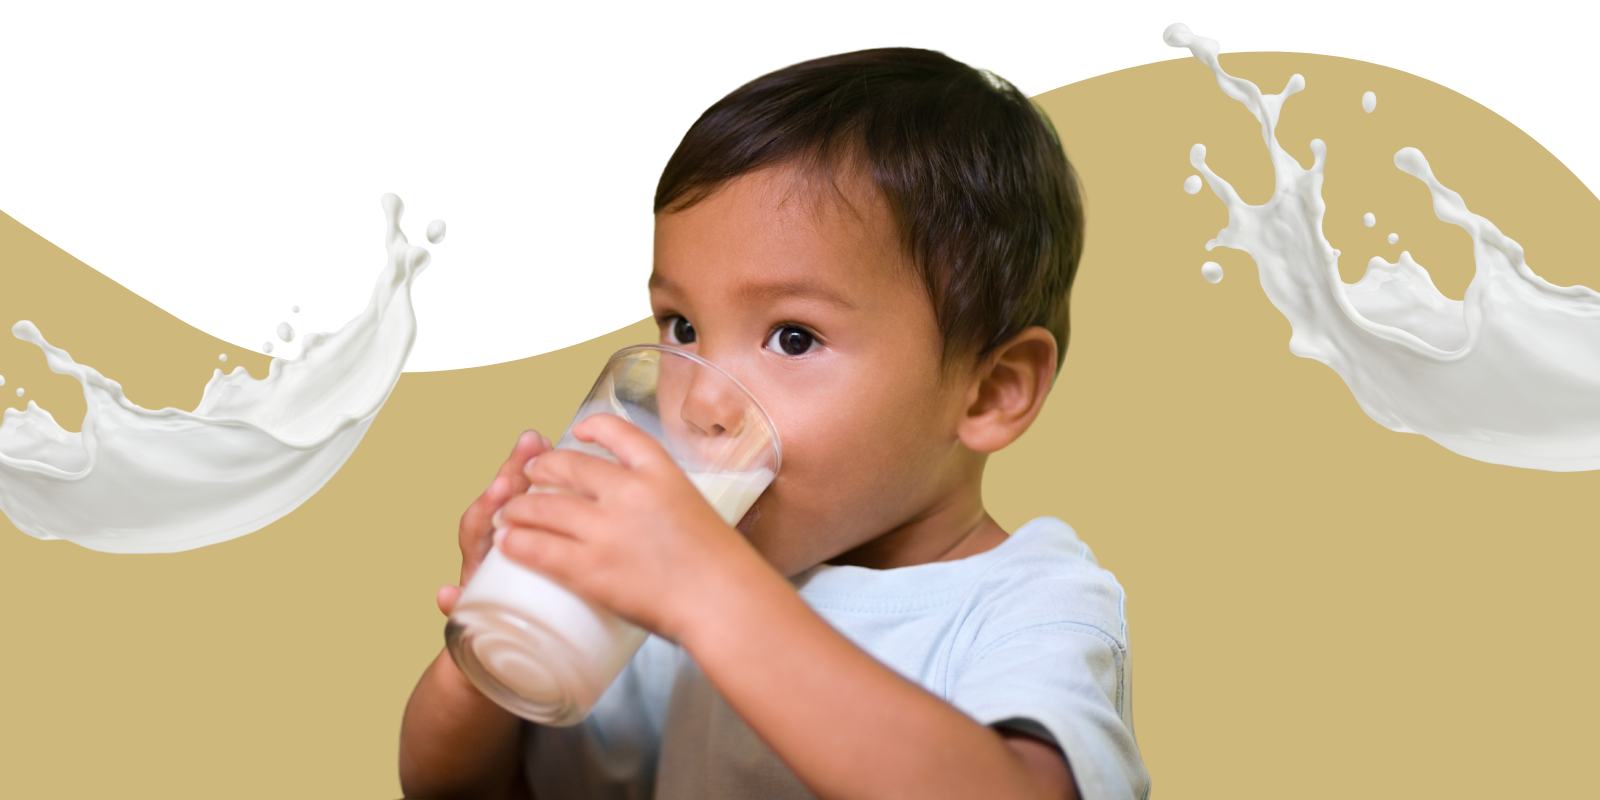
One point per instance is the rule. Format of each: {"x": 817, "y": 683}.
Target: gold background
{"x": 1319, "y": 607}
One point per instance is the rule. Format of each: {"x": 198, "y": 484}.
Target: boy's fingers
{"x": 475, "y": 522}
{"x": 555, "y": 512}
{"x": 529, "y": 444}
{"x": 507, "y": 482}
{"x": 569, "y": 469}
{"x": 527, "y": 439}
{"x": 446, "y": 597}
{"x": 553, "y": 556}
{"x": 633, "y": 447}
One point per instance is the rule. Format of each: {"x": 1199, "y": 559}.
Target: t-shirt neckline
{"x": 933, "y": 578}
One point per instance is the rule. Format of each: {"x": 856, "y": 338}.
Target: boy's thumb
{"x": 447, "y": 597}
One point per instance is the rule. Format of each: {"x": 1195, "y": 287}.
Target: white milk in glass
{"x": 546, "y": 654}
{"x": 555, "y": 649}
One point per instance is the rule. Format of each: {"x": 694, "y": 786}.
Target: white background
{"x": 225, "y": 161}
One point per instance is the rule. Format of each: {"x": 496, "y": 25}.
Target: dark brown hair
{"x": 974, "y": 174}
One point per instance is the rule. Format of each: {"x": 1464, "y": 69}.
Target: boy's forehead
{"x": 781, "y": 231}
{"x": 759, "y": 289}
{"x": 812, "y": 197}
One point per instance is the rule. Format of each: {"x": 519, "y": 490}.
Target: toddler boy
{"x": 880, "y": 246}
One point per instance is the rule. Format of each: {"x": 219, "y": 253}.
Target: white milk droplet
{"x": 1211, "y": 271}
{"x": 1192, "y": 184}
{"x": 1509, "y": 375}
{"x": 436, "y": 231}
{"x": 20, "y": 392}
{"x": 251, "y": 451}
{"x": 266, "y": 347}
{"x": 1394, "y": 238}
{"x": 1369, "y": 101}
{"x": 295, "y": 309}
{"x": 1368, "y": 220}
{"x": 222, "y": 357}
{"x": 285, "y": 332}
{"x": 2, "y": 380}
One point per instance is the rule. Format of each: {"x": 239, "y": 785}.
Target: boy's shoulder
{"x": 1045, "y": 576}
{"x": 1042, "y": 575}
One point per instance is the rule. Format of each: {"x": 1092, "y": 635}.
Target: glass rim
{"x": 777, "y": 442}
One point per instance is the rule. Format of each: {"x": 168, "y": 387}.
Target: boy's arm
{"x": 847, "y": 725}
{"x": 1045, "y": 761}
{"x": 639, "y": 539}
{"x": 454, "y": 742}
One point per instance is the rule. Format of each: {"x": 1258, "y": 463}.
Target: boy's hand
{"x": 636, "y": 537}
{"x": 476, "y": 528}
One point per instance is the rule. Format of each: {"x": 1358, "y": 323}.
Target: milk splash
{"x": 1508, "y": 375}
{"x": 141, "y": 481}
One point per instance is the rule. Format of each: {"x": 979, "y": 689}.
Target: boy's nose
{"x": 713, "y": 406}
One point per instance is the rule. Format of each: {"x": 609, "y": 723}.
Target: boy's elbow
{"x": 1047, "y": 767}
{"x": 415, "y": 789}
{"x": 419, "y": 782}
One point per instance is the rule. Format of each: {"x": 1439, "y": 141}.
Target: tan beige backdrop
{"x": 1319, "y": 607}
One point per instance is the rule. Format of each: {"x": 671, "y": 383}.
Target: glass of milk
{"x": 542, "y": 652}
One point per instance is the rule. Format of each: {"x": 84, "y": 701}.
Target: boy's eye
{"x": 791, "y": 340}
{"x": 680, "y": 331}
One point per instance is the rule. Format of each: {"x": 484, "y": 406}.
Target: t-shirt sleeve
{"x": 612, "y": 753}
{"x": 1066, "y": 682}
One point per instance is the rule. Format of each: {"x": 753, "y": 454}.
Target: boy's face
{"x": 816, "y": 310}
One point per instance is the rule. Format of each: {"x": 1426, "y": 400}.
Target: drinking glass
{"x": 546, "y": 654}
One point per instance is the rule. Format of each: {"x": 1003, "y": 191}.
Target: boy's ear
{"x": 1008, "y": 391}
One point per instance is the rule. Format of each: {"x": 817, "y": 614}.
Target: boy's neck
{"x": 955, "y": 528}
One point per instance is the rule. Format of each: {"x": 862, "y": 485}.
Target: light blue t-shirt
{"x": 1030, "y": 634}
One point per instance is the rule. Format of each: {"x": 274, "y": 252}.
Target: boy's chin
{"x": 747, "y": 523}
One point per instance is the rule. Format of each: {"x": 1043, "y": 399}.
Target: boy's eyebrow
{"x": 773, "y": 290}
{"x": 795, "y": 288}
